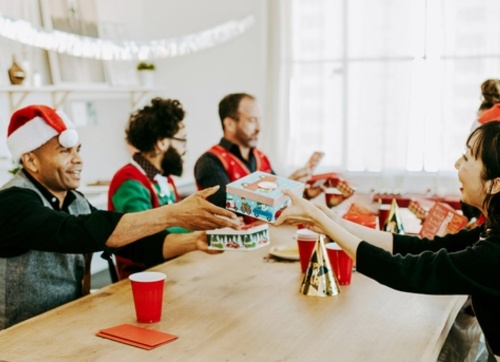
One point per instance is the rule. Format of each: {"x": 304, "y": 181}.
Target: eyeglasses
{"x": 183, "y": 140}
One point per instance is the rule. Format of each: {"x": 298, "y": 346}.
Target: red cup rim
{"x": 147, "y": 277}
{"x": 306, "y": 234}
{"x": 333, "y": 246}
{"x": 332, "y": 191}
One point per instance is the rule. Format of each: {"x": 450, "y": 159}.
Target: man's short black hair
{"x": 228, "y": 106}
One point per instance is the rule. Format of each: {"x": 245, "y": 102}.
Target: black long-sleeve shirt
{"x": 209, "y": 171}
{"x": 462, "y": 263}
{"x": 26, "y": 224}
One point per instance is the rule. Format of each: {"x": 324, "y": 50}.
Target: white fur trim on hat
{"x": 37, "y": 132}
{"x": 68, "y": 138}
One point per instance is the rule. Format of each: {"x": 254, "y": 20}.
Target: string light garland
{"x": 103, "y": 49}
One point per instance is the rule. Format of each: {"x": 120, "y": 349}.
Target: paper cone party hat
{"x": 319, "y": 280}
{"x": 393, "y": 222}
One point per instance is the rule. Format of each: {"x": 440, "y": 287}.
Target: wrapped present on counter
{"x": 420, "y": 208}
{"x": 362, "y": 215}
{"x": 249, "y": 237}
{"x": 344, "y": 187}
{"x": 331, "y": 180}
{"x": 361, "y": 208}
{"x": 328, "y": 179}
{"x": 260, "y": 195}
{"x": 404, "y": 200}
{"x": 441, "y": 220}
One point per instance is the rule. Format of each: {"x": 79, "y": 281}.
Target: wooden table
{"x": 237, "y": 307}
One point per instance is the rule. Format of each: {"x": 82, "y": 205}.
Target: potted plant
{"x": 146, "y": 66}
{"x": 146, "y": 73}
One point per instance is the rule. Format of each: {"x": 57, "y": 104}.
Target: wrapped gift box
{"x": 441, "y": 220}
{"x": 420, "y": 207}
{"x": 404, "y": 200}
{"x": 360, "y": 214}
{"x": 331, "y": 179}
{"x": 250, "y": 237}
{"x": 260, "y": 195}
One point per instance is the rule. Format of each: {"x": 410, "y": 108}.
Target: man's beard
{"x": 172, "y": 163}
{"x": 245, "y": 140}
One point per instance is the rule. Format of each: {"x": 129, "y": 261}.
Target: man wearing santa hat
{"x": 47, "y": 226}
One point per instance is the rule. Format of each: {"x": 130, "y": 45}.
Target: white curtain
{"x": 388, "y": 89}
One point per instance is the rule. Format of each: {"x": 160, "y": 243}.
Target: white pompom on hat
{"x": 35, "y": 125}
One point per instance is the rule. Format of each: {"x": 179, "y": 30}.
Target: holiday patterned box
{"x": 331, "y": 179}
{"x": 420, "y": 207}
{"x": 441, "y": 220}
{"x": 260, "y": 195}
{"x": 361, "y": 214}
{"x": 249, "y": 237}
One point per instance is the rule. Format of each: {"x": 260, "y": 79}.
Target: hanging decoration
{"x": 16, "y": 73}
{"x": 103, "y": 49}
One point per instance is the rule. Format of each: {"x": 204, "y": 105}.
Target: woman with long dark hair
{"x": 465, "y": 263}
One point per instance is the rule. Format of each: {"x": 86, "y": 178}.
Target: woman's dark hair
{"x": 228, "y": 106}
{"x": 490, "y": 92}
{"x": 154, "y": 122}
{"x": 486, "y": 147}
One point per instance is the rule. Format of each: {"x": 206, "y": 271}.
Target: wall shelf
{"x": 59, "y": 93}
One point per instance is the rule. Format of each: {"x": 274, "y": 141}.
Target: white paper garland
{"x": 102, "y": 49}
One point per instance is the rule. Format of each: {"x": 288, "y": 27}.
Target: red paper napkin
{"x": 136, "y": 336}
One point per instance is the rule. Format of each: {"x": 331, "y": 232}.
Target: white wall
{"x": 198, "y": 80}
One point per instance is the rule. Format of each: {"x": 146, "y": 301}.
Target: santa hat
{"x": 33, "y": 126}
{"x": 492, "y": 114}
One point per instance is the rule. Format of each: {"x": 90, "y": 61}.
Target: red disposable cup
{"x": 340, "y": 262}
{"x": 333, "y": 197}
{"x": 147, "y": 289}
{"x": 306, "y": 239}
{"x": 383, "y": 213}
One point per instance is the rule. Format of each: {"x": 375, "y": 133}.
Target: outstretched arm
{"x": 179, "y": 244}
{"x": 347, "y": 234}
{"x": 193, "y": 213}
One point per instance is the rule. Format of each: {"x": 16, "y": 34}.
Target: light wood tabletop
{"x": 238, "y": 306}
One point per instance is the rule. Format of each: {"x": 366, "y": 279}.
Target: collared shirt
{"x": 160, "y": 183}
{"x": 27, "y": 224}
{"x": 209, "y": 171}
{"x": 148, "y": 168}
{"x": 235, "y": 150}
{"x": 54, "y": 201}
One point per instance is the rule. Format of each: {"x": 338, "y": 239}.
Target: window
{"x": 385, "y": 85}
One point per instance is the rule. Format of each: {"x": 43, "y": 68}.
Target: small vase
{"x": 147, "y": 78}
{"x": 16, "y": 73}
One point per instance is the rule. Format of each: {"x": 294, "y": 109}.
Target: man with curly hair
{"x": 158, "y": 134}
